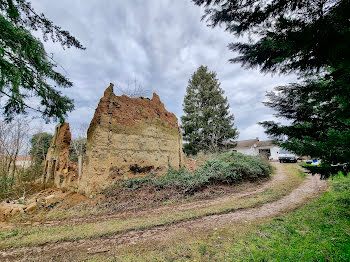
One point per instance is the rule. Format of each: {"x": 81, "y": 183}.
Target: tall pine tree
{"x": 207, "y": 123}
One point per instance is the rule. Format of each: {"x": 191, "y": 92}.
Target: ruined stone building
{"x": 127, "y": 137}
{"x": 59, "y": 170}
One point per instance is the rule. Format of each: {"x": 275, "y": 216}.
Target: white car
{"x": 286, "y": 156}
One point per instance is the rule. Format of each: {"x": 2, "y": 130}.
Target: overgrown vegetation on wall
{"x": 227, "y": 168}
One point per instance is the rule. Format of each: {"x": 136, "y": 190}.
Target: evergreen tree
{"x": 207, "y": 123}
{"x": 26, "y": 70}
{"x": 310, "y": 38}
{"x": 319, "y": 123}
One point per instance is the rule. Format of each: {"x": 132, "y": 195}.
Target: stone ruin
{"x": 59, "y": 170}
{"x": 127, "y": 137}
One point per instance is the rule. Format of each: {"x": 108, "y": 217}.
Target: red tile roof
{"x": 23, "y": 158}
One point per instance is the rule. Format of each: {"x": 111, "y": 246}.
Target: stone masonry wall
{"x": 59, "y": 170}
{"x": 129, "y": 137}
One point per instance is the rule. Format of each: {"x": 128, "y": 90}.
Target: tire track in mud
{"x": 70, "y": 250}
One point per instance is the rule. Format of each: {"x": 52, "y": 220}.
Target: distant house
{"x": 255, "y": 147}
{"x": 23, "y": 161}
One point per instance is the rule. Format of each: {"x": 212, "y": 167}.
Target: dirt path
{"x": 70, "y": 250}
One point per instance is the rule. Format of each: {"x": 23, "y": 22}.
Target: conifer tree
{"x": 26, "y": 69}
{"x": 207, "y": 123}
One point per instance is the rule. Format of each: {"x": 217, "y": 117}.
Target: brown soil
{"x": 191, "y": 164}
{"x": 82, "y": 249}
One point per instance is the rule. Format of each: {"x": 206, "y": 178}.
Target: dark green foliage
{"x": 31, "y": 173}
{"x": 319, "y": 124}
{"x": 227, "y": 169}
{"x": 40, "y": 143}
{"x": 6, "y": 183}
{"x": 294, "y": 35}
{"x": 310, "y": 38}
{"x": 207, "y": 123}
{"x": 26, "y": 70}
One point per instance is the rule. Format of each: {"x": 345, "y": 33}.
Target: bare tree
{"x": 13, "y": 141}
{"x": 78, "y": 143}
{"x": 134, "y": 89}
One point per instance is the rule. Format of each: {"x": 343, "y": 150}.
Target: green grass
{"x": 319, "y": 231}
{"x": 35, "y": 236}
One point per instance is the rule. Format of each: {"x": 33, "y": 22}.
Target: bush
{"x": 21, "y": 184}
{"x": 227, "y": 169}
{"x": 6, "y": 183}
{"x": 136, "y": 183}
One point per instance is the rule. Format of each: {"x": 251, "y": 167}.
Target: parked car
{"x": 286, "y": 156}
{"x": 314, "y": 162}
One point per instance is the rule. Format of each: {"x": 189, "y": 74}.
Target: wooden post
{"x": 80, "y": 165}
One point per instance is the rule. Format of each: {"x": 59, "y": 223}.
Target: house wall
{"x": 248, "y": 151}
{"x": 274, "y": 152}
{"x": 23, "y": 163}
{"x": 254, "y": 151}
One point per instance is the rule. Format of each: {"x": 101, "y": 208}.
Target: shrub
{"x": 180, "y": 179}
{"x": 136, "y": 183}
{"x": 227, "y": 168}
{"x": 20, "y": 184}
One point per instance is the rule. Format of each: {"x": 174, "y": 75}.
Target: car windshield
{"x": 285, "y": 151}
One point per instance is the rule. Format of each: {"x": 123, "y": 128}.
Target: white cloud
{"x": 160, "y": 43}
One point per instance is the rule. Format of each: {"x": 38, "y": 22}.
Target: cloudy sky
{"x": 160, "y": 43}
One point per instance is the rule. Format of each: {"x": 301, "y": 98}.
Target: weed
{"x": 12, "y": 233}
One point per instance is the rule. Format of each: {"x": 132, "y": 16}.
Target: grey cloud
{"x": 159, "y": 43}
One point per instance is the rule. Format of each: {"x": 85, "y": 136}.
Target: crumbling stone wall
{"x": 129, "y": 137}
{"x": 59, "y": 170}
